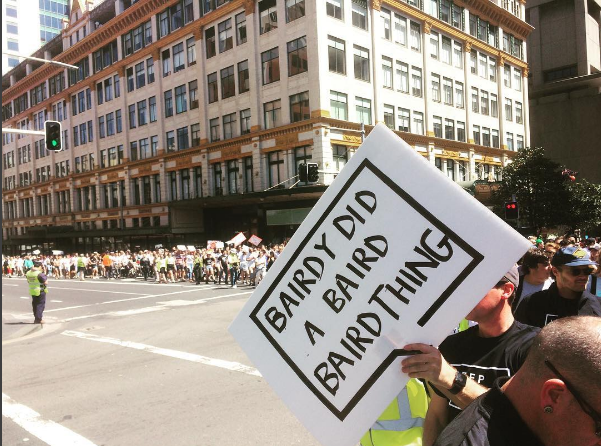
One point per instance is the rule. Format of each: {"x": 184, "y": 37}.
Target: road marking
{"x": 48, "y": 431}
{"x": 57, "y": 301}
{"x": 117, "y": 313}
{"x": 8, "y": 284}
{"x": 228, "y": 365}
{"x": 93, "y": 291}
{"x": 24, "y": 297}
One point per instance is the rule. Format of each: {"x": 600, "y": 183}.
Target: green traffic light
{"x": 54, "y": 143}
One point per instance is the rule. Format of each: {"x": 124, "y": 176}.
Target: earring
{"x": 548, "y": 409}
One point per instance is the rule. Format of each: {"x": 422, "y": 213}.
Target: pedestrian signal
{"x": 312, "y": 173}
{"x": 511, "y": 210}
{"x": 303, "y": 172}
{"x": 53, "y": 135}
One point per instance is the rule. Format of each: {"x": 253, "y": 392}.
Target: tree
{"x": 585, "y": 205}
{"x": 539, "y": 187}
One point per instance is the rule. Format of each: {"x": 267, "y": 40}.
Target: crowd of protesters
{"x": 233, "y": 266}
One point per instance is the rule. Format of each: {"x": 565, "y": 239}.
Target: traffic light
{"x": 303, "y": 172}
{"x": 511, "y": 210}
{"x": 53, "y": 135}
{"x": 312, "y": 173}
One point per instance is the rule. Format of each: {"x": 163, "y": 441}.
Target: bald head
{"x": 573, "y": 346}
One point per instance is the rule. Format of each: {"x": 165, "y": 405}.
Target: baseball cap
{"x": 572, "y": 256}
{"x": 37, "y": 262}
{"x": 513, "y": 275}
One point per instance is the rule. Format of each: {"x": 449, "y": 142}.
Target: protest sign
{"x": 256, "y": 241}
{"x": 215, "y": 244}
{"x": 394, "y": 252}
{"x": 237, "y": 240}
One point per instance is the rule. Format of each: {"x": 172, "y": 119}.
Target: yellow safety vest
{"x": 35, "y": 287}
{"x": 80, "y": 262}
{"x": 402, "y": 423}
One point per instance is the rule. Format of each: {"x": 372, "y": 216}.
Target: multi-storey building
{"x": 29, "y": 24}
{"x": 565, "y": 82}
{"x": 187, "y": 120}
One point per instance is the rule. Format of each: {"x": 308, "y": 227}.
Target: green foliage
{"x": 585, "y": 205}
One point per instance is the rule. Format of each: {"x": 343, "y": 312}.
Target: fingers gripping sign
{"x": 429, "y": 365}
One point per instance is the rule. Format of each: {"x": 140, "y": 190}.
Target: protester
{"x": 537, "y": 275}
{"x": 571, "y": 267}
{"x": 553, "y": 400}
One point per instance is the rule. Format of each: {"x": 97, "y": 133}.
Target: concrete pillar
{"x": 469, "y": 138}
{"x": 152, "y": 190}
{"x": 163, "y": 180}
{"x": 254, "y": 70}
{"x": 322, "y": 153}
{"x": 428, "y": 126}
{"x": 119, "y": 7}
{"x": 259, "y": 164}
{"x": 526, "y": 108}
{"x": 500, "y": 89}
{"x": 178, "y": 185}
{"x": 376, "y": 66}
{"x": 192, "y": 183}
{"x": 472, "y": 166}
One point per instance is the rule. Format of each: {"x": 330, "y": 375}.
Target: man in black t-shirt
{"x": 571, "y": 267}
{"x": 467, "y": 363}
{"x": 553, "y": 400}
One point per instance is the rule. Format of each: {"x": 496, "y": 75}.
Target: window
{"x": 476, "y": 134}
{"x": 334, "y": 9}
{"x": 517, "y": 79}
{"x": 240, "y": 28}
{"x": 118, "y": 121}
{"x": 295, "y": 9}
{"x": 229, "y": 126}
{"x": 297, "y": 56}
{"x": 193, "y": 94}
{"x": 110, "y": 124}
{"x": 108, "y": 89}
{"x": 271, "y": 65}
{"x": 483, "y": 102}
{"x": 132, "y": 116}
{"x": 404, "y": 116}
{"x": 474, "y": 62}
{"x": 486, "y": 136}
{"x": 243, "y": 79}
{"x": 494, "y": 106}
{"x": 75, "y": 138}
{"x": 338, "y": 105}
{"x": 416, "y": 81}
{"x": 245, "y": 121}
{"x": 475, "y": 104}
{"x": 509, "y": 141}
{"x": 363, "y": 110}
{"x": 210, "y": 42}
{"x": 361, "y": 62}
{"x": 416, "y": 38}
{"x": 508, "y": 109}
{"x": 389, "y": 116}
{"x": 232, "y": 176}
{"x": 434, "y": 44}
{"x": 214, "y": 129}
{"x": 170, "y": 140}
{"x": 519, "y": 142}
{"x": 507, "y": 75}
{"x": 11, "y": 11}
{"x": 173, "y": 184}
{"x": 101, "y": 132}
{"x": 492, "y": 69}
{"x": 272, "y": 111}
{"x": 458, "y": 54}
{"x": 118, "y": 85}
{"x": 191, "y": 50}
{"x": 226, "y": 37}
{"x": 447, "y": 90}
{"x": 212, "y": 85}
{"x": 12, "y": 28}
{"x": 277, "y": 173}
{"x": 142, "y": 113}
{"x": 133, "y": 151}
{"x": 178, "y": 57}
{"x": 482, "y": 65}
{"x": 446, "y": 50}
{"x": 359, "y": 13}
{"x": 435, "y": 87}
{"x": 518, "y": 113}
{"x": 182, "y": 138}
{"x": 168, "y": 103}
{"x": 299, "y": 107}
{"x": 140, "y": 75}
{"x": 402, "y": 72}
{"x": 400, "y": 30}
{"x": 336, "y": 55}
{"x": 418, "y": 123}
{"x": 495, "y": 138}
{"x": 195, "y": 131}
{"x": 460, "y": 131}
{"x": 228, "y": 83}
{"x": 165, "y": 55}
{"x": 437, "y": 125}
{"x": 385, "y": 17}
{"x": 387, "y": 72}
{"x": 268, "y": 16}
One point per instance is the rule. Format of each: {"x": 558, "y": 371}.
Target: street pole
{"x": 24, "y": 132}
{"x": 37, "y": 59}
{"x": 362, "y": 132}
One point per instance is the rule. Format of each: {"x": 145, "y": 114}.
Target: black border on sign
{"x": 476, "y": 256}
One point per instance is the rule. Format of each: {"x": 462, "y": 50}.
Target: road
{"x": 134, "y": 364}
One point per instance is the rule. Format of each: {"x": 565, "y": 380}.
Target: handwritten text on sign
{"x": 359, "y": 231}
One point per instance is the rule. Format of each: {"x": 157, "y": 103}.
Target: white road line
{"x": 51, "y": 287}
{"x": 57, "y": 301}
{"x": 117, "y": 313}
{"x": 24, "y": 297}
{"x": 228, "y": 365}
{"x": 8, "y": 284}
{"x": 48, "y": 431}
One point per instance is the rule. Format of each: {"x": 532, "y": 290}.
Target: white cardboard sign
{"x": 394, "y": 252}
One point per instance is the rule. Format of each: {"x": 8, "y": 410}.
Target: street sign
{"x": 393, "y": 253}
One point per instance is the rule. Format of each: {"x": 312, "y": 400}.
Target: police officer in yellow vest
{"x": 81, "y": 266}
{"x": 36, "y": 280}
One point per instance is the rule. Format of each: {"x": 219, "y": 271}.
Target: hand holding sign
{"x": 384, "y": 259}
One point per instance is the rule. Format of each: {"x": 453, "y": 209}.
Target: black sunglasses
{"x": 581, "y": 271}
{"x": 586, "y": 407}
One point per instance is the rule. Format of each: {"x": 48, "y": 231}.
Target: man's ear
{"x": 552, "y": 393}
{"x": 508, "y": 288}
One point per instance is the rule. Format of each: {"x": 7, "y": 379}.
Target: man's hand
{"x": 429, "y": 365}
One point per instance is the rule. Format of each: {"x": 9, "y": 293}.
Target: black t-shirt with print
{"x": 486, "y": 359}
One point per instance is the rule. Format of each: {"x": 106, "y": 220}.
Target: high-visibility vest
{"x": 80, "y": 262}
{"x": 35, "y": 287}
{"x": 402, "y": 423}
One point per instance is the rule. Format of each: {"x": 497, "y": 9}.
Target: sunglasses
{"x": 586, "y": 407}
{"x": 580, "y": 271}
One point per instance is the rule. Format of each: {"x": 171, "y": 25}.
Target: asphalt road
{"x": 132, "y": 363}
